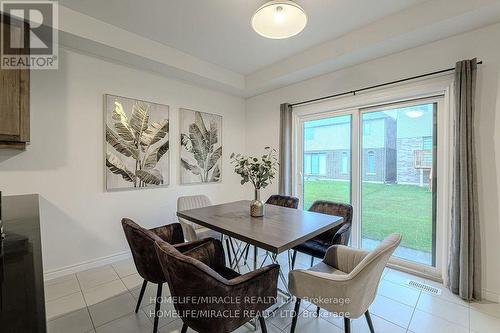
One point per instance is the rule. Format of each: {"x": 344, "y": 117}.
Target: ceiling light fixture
{"x": 279, "y": 19}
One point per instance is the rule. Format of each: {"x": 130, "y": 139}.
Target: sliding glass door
{"x": 397, "y": 166}
{"x": 327, "y": 160}
{"x": 382, "y": 160}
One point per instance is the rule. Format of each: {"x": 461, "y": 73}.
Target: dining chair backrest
{"x": 192, "y": 202}
{"x": 337, "y": 209}
{"x": 369, "y": 271}
{"x": 142, "y": 245}
{"x": 283, "y": 201}
{"x": 187, "y": 203}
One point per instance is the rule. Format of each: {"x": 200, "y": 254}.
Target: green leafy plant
{"x": 136, "y": 139}
{"x": 202, "y": 144}
{"x": 259, "y": 171}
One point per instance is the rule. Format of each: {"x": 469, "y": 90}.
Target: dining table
{"x": 279, "y": 230}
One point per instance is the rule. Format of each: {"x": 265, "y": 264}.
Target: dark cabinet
{"x": 14, "y": 96}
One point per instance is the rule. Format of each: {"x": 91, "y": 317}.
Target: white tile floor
{"x": 104, "y": 299}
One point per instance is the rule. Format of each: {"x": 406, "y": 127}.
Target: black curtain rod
{"x": 353, "y": 92}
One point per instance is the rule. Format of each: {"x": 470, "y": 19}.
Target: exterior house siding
{"x": 388, "y": 148}
{"x": 407, "y": 174}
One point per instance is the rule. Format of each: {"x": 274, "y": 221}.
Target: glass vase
{"x": 257, "y": 205}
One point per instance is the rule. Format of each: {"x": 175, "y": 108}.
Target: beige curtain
{"x": 464, "y": 267}
{"x": 285, "y": 168}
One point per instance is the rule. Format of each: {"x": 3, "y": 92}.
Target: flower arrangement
{"x": 258, "y": 171}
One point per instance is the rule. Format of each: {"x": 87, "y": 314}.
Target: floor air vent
{"x": 424, "y": 287}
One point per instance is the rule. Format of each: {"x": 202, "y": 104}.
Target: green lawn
{"x": 387, "y": 208}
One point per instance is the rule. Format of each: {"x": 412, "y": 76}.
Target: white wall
{"x": 65, "y": 165}
{"x": 262, "y": 119}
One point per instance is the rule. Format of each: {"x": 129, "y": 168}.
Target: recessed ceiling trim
{"x": 87, "y": 34}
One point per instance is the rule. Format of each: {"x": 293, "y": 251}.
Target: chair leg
{"x": 262, "y": 322}
{"x": 295, "y": 314}
{"x": 141, "y": 294}
{"x": 347, "y": 325}
{"x": 312, "y": 261}
{"x": 157, "y": 307}
{"x": 234, "y": 252}
{"x": 246, "y": 254}
{"x": 228, "y": 249}
{"x": 184, "y": 328}
{"x": 255, "y": 256}
{"x": 317, "y": 311}
{"x": 369, "y": 321}
{"x": 294, "y": 256}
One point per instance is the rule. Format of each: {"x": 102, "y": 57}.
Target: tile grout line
{"x": 58, "y": 298}
{"x": 85, "y": 301}
{"x": 114, "y": 269}
{"x": 115, "y": 319}
{"x": 442, "y": 318}
{"x": 389, "y": 320}
{"x": 100, "y": 284}
{"x": 62, "y": 315}
{"x": 413, "y": 312}
{"x": 399, "y": 285}
{"x": 126, "y": 291}
{"x": 470, "y": 326}
{"x": 382, "y": 318}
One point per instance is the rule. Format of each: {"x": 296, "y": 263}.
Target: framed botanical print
{"x": 137, "y": 143}
{"x": 201, "y": 147}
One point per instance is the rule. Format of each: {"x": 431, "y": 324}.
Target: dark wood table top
{"x": 279, "y": 230}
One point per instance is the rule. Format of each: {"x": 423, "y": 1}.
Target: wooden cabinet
{"x": 14, "y": 99}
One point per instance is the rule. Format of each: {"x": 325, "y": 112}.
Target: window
{"x": 427, "y": 146}
{"x": 315, "y": 164}
{"x": 333, "y": 137}
{"x": 367, "y": 128}
{"x": 370, "y": 163}
{"x": 307, "y": 164}
{"x": 309, "y": 133}
{"x": 427, "y": 143}
{"x": 344, "y": 163}
{"x": 322, "y": 164}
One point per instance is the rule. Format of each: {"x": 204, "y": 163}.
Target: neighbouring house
{"x": 397, "y": 147}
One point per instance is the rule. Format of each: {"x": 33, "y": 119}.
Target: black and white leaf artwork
{"x": 137, "y": 143}
{"x": 201, "y": 147}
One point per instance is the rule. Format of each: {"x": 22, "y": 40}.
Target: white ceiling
{"x": 210, "y": 42}
{"x": 218, "y": 31}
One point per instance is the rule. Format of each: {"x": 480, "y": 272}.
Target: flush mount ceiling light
{"x": 279, "y": 19}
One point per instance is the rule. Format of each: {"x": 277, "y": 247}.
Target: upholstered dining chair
{"x": 283, "y": 201}
{"x": 201, "y": 274}
{"x": 317, "y": 246}
{"x": 347, "y": 278}
{"x": 141, "y": 242}
{"x": 193, "y": 231}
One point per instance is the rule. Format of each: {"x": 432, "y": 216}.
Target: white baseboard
{"x": 491, "y": 296}
{"x": 71, "y": 269}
